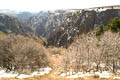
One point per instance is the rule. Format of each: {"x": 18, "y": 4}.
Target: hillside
{"x": 87, "y": 58}
{"x": 73, "y": 44}
{"x": 61, "y": 26}
{"x": 9, "y": 24}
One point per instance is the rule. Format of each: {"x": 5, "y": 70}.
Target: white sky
{"x": 37, "y": 5}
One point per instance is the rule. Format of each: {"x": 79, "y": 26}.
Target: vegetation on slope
{"x": 87, "y": 53}
{"x": 21, "y": 53}
{"x": 2, "y": 33}
{"x": 114, "y": 26}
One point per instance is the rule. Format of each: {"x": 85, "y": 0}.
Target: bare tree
{"x": 19, "y": 53}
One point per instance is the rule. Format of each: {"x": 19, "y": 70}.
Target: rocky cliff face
{"x": 24, "y": 16}
{"x": 9, "y": 24}
{"x": 60, "y": 27}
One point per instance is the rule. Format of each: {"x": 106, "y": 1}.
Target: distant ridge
{"x": 111, "y": 7}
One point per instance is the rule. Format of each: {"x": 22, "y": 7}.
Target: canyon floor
{"x": 53, "y": 76}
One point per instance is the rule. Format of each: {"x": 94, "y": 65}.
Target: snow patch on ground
{"x": 116, "y": 77}
{"x": 104, "y": 74}
{"x": 23, "y": 76}
{"x": 4, "y": 74}
{"x": 79, "y": 74}
{"x": 63, "y": 74}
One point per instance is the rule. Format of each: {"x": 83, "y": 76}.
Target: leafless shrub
{"x": 19, "y": 53}
{"x": 89, "y": 49}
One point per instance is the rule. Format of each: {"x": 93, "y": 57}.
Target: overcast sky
{"x": 37, "y": 5}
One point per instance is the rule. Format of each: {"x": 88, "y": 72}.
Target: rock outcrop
{"x": 10, "y": 24}
{"x": 60, "y": 27}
